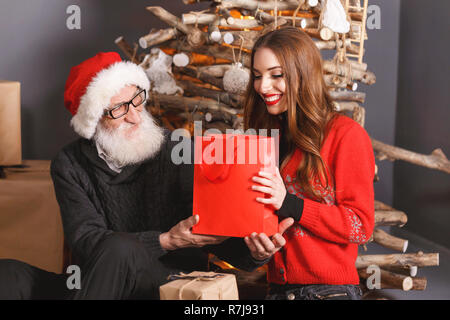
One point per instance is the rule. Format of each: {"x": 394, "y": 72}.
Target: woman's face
{"x": 269, "y": 80}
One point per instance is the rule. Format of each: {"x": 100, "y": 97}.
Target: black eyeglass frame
{"x": 110, "y": 111}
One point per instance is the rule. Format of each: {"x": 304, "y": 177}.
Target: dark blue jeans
{"x": 314, "y": 292}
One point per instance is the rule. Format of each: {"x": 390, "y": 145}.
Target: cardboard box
{"x": 201, "y": 286}
{"x": 30, "y": 223}
{"x": 10, "y": 134}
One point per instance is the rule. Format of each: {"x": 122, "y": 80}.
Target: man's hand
{"x": 181, "y": 236}
{"x": 262, "y": 247}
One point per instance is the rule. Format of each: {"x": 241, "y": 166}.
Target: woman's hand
{"x": 273, "y": 185}
{"x": 262, "y": 247}
{"x": 181, "y": 236}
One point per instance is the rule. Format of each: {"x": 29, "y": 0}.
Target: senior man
{"x": 126, "y": 207}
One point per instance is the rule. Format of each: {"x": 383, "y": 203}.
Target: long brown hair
{"x": 309, "y": 106}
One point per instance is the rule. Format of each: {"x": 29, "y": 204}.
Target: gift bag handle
{"x": 217, "y": 172}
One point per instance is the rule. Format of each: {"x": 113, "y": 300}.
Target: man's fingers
{"x": 250, "y": 244}
{"x": 201, "y": 240}
{"x": 256, "y": 243}
{"x": 266, "y": 242}
{"x": 190, "y": 222}
{"x": 285, "y": 224}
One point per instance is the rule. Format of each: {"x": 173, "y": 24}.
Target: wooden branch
{"x": 346, "y": 95}
{"x": 157, "y": 36}
{"x": 390, "y": 280}
{"x": 436, "y": 160}
{"x": 201, "y": 104}
{"x": 262, "y": 5}
{"x": 221, "y": 96}
{"x": 217, "y": 70}
{"x": 359, "y": 115}
{"x": 388, "y": 241}
{"x": 227, "y": 15}
{"x": 382, "y": 206}
{"x": 335, "y": 81}
{"x": 249, "y": 37}
{"x": 193, "y": 1}
{"x": 390, "y": 218}
{"x": 406, "y": 270}
{"x": 195, "y": 37}
{"x": 203, "y": 76}
{"x": 214, "y": 50}
{"x": 366, "y": 77}
{"x": 208, "y": 18}
{"x": 126, "y": 49}
{"x": 330, "y": 45}
{"x": 419, "y": 283}
{"x": 416, "y": 259}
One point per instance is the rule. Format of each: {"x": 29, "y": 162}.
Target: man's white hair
{"x": 143, "y": 143}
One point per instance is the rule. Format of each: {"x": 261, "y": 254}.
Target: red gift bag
{"x": 223, "y": 198}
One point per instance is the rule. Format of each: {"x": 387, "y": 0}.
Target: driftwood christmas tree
{"x": 198, "y": 67}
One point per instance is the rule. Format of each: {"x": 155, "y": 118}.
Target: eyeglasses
{"x": 123, "y": 108}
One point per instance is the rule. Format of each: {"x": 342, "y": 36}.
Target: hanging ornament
{"x": 235, "y": 79}
{"x": 228, "y": 38}
{"x": 215, "y": 36}
{"x": 181, "y": 59}
{"x": 334, "y": 17}
{"x": 159, "y": 72}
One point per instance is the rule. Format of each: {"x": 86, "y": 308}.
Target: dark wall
{"x": 38, "y": 50}
{"x": 381, "y": 55}
{"x": 423, "y": 116}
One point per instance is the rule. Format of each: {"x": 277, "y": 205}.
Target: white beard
{"x": 140, "y": 145}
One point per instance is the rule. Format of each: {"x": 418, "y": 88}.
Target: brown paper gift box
{"x": 30, "y": 223}
{"x": 201, "y": 286}
{"x": 10, "y": 136}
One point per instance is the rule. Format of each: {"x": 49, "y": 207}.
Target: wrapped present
{"x": 30, "y": 223}
{"x": 223, "y": 198}
{"x": 10, "y": 135}
{"x": 200, "y": 286}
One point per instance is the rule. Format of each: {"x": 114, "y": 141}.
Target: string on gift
{"x": 193, "y": 279}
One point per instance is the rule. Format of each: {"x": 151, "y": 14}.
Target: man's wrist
{"x": 164, "y": 240}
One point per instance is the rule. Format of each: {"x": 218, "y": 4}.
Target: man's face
{"x": 132, "y": 138}
{"x": 132, "y": 119}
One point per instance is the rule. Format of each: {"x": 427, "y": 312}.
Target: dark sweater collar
{"x": 89, "y": 150}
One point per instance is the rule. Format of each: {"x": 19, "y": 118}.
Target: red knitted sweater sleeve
{"x": 351, "y": 218}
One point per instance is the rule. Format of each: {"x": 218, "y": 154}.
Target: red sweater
{"x": 322, "y": 247}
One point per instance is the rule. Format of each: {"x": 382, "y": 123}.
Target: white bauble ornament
{"x": 228, "y": 38}
{"x": 235, "y": 79}
{"x": 181, "y": 60}
{"x": 215, "y": 36}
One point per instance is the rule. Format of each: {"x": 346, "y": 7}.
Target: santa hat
{"x": 91, "y": 85}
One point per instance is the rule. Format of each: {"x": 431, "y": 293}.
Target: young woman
{"x": 325, "y": 182}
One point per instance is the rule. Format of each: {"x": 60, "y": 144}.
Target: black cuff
{"x": 292, "y": 207}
